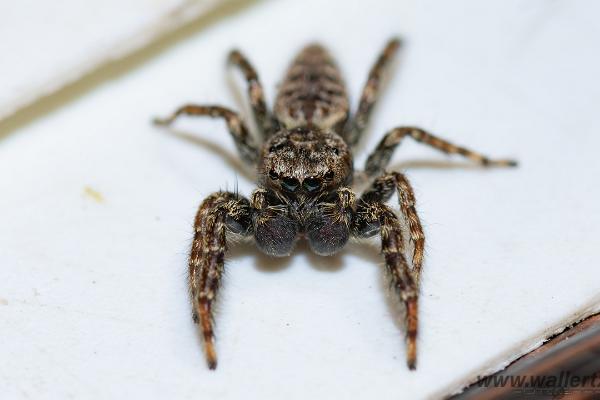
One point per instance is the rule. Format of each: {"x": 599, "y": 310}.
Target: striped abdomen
{"x": 313, "y": 92}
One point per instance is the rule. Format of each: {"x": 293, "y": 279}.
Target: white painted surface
{"x": 93, "y": 297}
{"x": 48, "y": 44}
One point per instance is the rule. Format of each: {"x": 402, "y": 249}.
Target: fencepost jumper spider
{"x": 305, "y": 172}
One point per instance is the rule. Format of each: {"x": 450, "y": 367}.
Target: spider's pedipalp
{"x": 328, "y": 225}
{"x": 275, "y": 230}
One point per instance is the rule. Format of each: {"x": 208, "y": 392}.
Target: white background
{"x": 93, "y": 301}
{"x": 48, "y": 45}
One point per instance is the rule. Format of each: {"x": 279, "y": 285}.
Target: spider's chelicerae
{"x": 305, "y": 170}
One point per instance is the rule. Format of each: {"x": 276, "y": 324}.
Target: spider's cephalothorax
{"x": 301, "y": 171}
{"x": 304, "y": 165}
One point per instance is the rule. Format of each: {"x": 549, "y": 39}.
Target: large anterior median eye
{"x": 290, "y": 184}
{"x": 311, "y": 184}
{"x": 276, "y": 146}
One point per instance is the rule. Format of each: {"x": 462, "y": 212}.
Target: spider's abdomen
{"x": 313, "y": 92}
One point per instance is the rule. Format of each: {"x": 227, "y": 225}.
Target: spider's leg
{"x": 381, "y": 190}
{"x": 262, "y": 115}
{"x": 372, "y": 218}
{"x": 379, "y": 159}
{"x": 220, "y": 213}
{"x": 370, "y": 93}
{"x": 237, "y": 128}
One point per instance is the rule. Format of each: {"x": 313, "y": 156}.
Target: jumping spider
{"x": 305, "y": 169}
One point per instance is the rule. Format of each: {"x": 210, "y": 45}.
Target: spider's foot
{"x": 411, "y": 356}
{"x": 501, "y": 163}
{"x": 395, "y": 42}
{"x": 411, "y": 334}
{"x": 162, "y": 121}
{"x": 211, "y": 355}
{"x": 212, "y": 364}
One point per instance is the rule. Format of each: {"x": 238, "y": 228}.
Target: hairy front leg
{"x": 380, "y": 158}
{"x": 256, "y": 93}
{"x": 219, "y": 214}
{"x": 370, "y": 93}
{"x": 372, "y": 218}
{"x": 381, "y": 191}
{"x": 238, "y": 130}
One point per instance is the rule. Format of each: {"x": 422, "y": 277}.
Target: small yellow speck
{"x": 93, "y": 194}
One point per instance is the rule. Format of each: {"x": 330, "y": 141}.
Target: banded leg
{"x": 255, "y": 92}
{"x": 380, "y": 158}
{"x": 381, "y": 190}
{"x": 218, "y": 214}
{"x": 370, "y": 93}
{"x": 243, "y": 141}
{"x": 374, "y": 214}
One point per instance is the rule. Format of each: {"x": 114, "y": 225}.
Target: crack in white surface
{"x": 48, "y": 45}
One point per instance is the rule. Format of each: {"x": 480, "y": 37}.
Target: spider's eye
{"x": 273, "y": 175}
{"x": 276, "y": 146}
{"x": 335, "y": 151}
{"x": 311, "y": 184}
{"x": 290, "y": 184}
{"x": 329, "y": 176}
